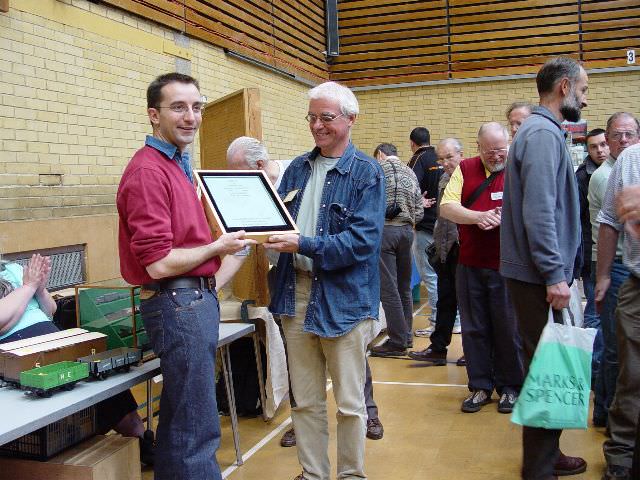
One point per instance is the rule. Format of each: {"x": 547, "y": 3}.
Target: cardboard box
{"x": 110, "y": 457}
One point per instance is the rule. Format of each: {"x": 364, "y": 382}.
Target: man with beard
{"x": 540, "y": 234}
{"x": 622, "y": 132}
{"x": 473, "y": 199}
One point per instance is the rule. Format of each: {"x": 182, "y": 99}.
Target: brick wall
{"x": 72, "y": 103}
{"x": 459, "y": 109}
{"x": 73, "y": 77}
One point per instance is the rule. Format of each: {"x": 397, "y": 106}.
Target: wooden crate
{"x": 102, "y": 457}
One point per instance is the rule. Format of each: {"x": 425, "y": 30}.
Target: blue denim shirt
{"x": 346, "y": 249}
{"x": 172, "y": 152}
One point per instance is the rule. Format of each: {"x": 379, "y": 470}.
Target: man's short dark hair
{"x": 387, "y": 148}
{"x": 420, "y": 136}
{"x": 594, "y": 133}
{"x": 154, "y": 94}
{"x": 555, "y": 70}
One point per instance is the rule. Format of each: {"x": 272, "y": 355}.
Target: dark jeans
{"x": 447, "y": 302}
{"x": 395, "y": 283}
{"x": 372, "y": 407}
{"x": 490, "y": 337}
{"x": 624, "y": 411}
{"x": 183, "y": 327}
{"x": 540, "y": 446}
{"x": 609, "y": 363}
{"x": 592, "y": 320}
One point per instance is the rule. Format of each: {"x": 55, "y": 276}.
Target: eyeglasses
{"x": 628, "y": 135}
{"x": 183, "y": 108}
{"x": 324, "y": 117}
{"x": 495, "y": 152}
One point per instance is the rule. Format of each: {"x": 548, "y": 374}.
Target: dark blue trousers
{"x": 183, "y": 327}
{"x": 490, "y": 338}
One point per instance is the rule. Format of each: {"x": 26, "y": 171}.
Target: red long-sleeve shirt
{"x": 158, "y": 210}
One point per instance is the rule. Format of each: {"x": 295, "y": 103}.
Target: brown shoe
{"x": 375, "y": 430}
{"x": 299, "y": 477}
{"x": 566, "y": 465}
{"x": 461, "y": 362}
{"x": 288, "y": 439}
{"x": 429, "y": 355}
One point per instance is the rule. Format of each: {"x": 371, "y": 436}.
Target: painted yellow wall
{"x": 459, "y": 109}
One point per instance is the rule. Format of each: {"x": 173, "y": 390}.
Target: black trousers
{"x": 490, "y": 337}
{"x": 540, "y": 446}
{"x": 447, "y": 302}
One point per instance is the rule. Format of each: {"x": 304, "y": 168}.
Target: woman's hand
{"x": 37, "y": 271}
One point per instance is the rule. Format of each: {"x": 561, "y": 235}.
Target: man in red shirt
{"x": 473, "y": 200}
{"x": 166, "y": 246}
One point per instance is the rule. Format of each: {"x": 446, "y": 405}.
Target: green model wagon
{"x": 62, "y": 375}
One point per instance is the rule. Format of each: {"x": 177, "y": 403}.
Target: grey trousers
{"x": 395, "y": 283}
{"x": 624, "y": 410}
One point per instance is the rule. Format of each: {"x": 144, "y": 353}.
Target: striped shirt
{"x": 625, "y": 173}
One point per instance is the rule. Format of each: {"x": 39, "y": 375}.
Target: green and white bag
{"x": 555, "y": 394}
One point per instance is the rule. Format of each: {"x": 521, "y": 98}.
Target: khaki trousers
{"x": 624, "y": 410}
{"x": 309, "y": 358}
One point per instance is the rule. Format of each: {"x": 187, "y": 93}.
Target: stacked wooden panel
{"x": 394, "y": 41}
{"x": 285, "y": 34}
{"x": 609, "y": 29}
{"x": 509, "y": 37}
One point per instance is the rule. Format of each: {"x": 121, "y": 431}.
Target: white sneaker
{"x": 425, "y": 332}
{"x": 456, "y": 329}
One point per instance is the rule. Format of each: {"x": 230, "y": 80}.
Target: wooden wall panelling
{"x": 219, "y": 34}
{"x": 347, "y": 11}
{"x": 392, "y": 62}
{"x": 365, "y": 81}
{"x": 439, "y": 33}
{"x": 165, "y": 12}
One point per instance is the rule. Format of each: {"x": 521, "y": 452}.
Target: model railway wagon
{"x": 43, "y": 381}
{"x": 118, "y": 359}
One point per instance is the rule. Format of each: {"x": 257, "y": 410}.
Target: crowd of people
{"x": 497, "y": 238}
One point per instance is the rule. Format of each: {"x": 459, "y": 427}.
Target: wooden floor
{"x": 426, "y": 435}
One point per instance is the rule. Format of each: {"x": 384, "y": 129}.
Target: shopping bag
{"x": 555, "y": 394}
{"x": 575, "y": 305}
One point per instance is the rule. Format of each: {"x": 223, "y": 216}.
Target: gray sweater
{"x": 540, "y": 230}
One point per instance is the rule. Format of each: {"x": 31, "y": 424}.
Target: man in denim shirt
{"x": 327, "y": 283}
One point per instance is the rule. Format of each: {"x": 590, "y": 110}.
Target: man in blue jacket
{"x": 327, "y": 281}
{"x": 540, "y": 234}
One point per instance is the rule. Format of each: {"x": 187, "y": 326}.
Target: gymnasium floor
{"x": 426, "y": 436}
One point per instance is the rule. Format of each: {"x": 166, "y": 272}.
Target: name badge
{"x": 290, "y": 196}
{"x": 496, "y": 195}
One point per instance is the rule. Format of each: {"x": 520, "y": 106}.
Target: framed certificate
{"x": 243, "y": 200}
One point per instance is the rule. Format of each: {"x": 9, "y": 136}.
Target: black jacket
{"x": 424, "y": 164}
{"x": 583, "y": 175}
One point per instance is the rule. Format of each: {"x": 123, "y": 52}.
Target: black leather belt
{"x": 203, "y": 283}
